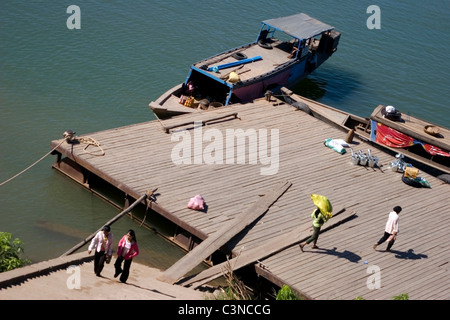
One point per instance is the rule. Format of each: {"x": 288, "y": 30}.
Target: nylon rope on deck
{"x": 90, "y": 141}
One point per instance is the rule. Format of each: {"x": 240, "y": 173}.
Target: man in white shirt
{"x": 391, "y": 229}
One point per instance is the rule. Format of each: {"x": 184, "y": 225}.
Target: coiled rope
{"x": 91, "y": 142}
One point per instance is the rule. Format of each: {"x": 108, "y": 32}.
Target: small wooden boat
{"x": 285, "y": 51}
{"x": 399, "y": 133}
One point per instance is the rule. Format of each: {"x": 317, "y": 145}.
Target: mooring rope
{"x": 24, "y": 170}
{"x": 68, "y": 135}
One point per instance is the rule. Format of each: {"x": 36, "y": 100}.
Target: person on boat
{"x": 294, "y": 50}
{"x": 318, "y": 220}
{"x": 391, "y": 229}
{"x": 126, "y": 251}
{"x": 389, "y": 112}
{"x": 188, "y": 89}
{"x": 102, "y": 243}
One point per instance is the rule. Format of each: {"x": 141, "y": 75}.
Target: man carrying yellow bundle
{"x": 320, "y": 215}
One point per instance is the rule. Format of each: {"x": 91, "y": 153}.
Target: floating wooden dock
{"x": 140, "y": 157}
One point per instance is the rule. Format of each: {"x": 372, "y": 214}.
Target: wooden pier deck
{"x": 140, "y": 157}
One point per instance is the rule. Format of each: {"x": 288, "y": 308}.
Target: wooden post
{"x": 350, "y": 135}
{"x": 117, "y": 217}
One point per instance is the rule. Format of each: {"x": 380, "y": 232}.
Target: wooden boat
{"x": 285, "y": 51}
{"x": 416, "y": 139}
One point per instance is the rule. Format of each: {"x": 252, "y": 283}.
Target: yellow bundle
{"x": 234, "y": 77}
{"x": 411, "y": 172}
{"x": 189, "y": 102}
{"x": 323, "y": 204}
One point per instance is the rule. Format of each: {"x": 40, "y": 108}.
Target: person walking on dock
{"x": 318, "y": 220}
{"x": 391, "y": 229}
{"x": 102, "y": 243}
{"x": 126, "y": 251}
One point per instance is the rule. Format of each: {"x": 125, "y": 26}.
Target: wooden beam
{"x": 117, "y": 217}
{"x": 224, "y": 234}
{"x": 168, "y": 128}
{"x": 177, "y": 221}
{"x": 275, "y": 245}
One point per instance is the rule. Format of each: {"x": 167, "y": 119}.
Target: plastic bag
{"x": 424, "y": 182}
{"x": 342, "y": 142}
{"x": 335, "y": 145}
{"x": 418, "y": 182}
{"x": 234, "y": 77}
{"x": 323, "y": 204}
{"x": 197, "y": 203}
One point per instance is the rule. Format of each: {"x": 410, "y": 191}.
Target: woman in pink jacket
{"x": 126, "y": 251}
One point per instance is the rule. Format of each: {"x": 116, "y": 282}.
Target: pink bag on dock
{"x": 197, "y": 203}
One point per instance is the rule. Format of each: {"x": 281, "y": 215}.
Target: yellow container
{"x": 411, "y": 172}
{"x": 189, "y": 102}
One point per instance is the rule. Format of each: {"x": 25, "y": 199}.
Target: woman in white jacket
{"x": 102, "y": 242}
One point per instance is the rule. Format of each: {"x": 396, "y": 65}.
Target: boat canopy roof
{"x": 299, "y": 25}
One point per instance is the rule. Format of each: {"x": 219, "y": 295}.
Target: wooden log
{"x": 168, "y": 128}
{"x": 277, "y": 244}
{"x": 223, "y": 235}
{"x": 117, "y": 217}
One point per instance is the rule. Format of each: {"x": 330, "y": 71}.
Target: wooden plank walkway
{"x": 218, "y": 239}
{"x": 139, "y": 157}
{"x": 277, "y": 244}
